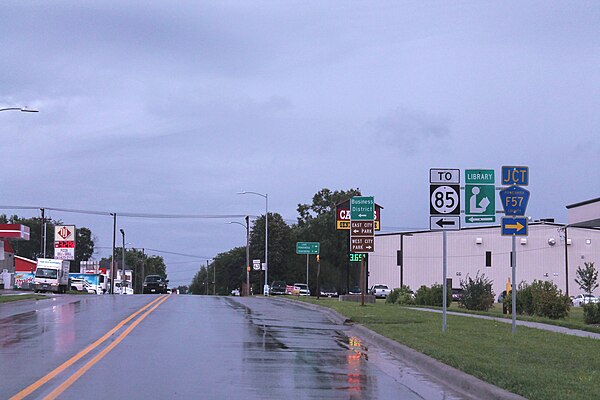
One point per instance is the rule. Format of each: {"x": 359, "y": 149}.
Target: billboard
{"x": 64, "y": 242}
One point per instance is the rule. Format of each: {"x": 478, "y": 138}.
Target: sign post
{"x": 514, "y": 200}
{"x": 444, "y": 207}
{"x": 444, "y": 210}
{"x": 64, "y": 242}
{"x": 307, "y": 248}
{"x": 362, "y": 227}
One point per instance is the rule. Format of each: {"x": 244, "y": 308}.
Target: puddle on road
{"x": 309, "y": 352}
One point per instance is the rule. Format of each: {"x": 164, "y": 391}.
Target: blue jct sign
{"x": 512, "y": 175}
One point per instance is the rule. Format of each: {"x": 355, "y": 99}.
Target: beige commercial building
{"x": 550, "y": 251}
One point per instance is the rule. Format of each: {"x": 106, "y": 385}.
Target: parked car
{"x": 354, "y": 290}
{"x": 278, "y": 287}
{"x": 328, "y": 291}
{"x": 582, "y": 299}
{"x": 301, "y": 289}
{"x": 235, "y": 292}
{"x": 457, "y": 294}
{"x": 380, "y": 291}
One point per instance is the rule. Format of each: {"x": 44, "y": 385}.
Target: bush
{"x": 541, "y": 298}
{"x": 433, "y": 296}
{"x": 477, "y": 293}
{"x": 402, "y": 296}
{"x": 591, "y": 313}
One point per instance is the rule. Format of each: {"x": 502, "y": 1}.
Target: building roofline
{"x": 583, "y": 203}
{"x": 472, "y": 228}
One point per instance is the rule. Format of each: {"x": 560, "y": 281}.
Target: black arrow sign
{"x": 442, "y": 222}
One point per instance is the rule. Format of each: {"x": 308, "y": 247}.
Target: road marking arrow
{"x": 517, "y": 226}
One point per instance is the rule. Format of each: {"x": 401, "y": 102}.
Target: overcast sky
{"x": 173, "y": 107}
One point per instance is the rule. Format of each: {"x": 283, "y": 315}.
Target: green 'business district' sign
{"x": 362, "y": 208}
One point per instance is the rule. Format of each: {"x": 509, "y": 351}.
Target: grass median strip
{"x": 14, "y": 297}
{"x": 533, "y": 363}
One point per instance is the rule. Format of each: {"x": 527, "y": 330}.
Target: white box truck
{"x": 51, "y": 275}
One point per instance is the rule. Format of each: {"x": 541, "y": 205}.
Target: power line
{"x": 130, "y": 214}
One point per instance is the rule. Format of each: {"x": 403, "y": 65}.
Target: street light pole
{"x": 22, "y": 109}
{"x": 247, "y": 266}
{"x": 266, "y": 197}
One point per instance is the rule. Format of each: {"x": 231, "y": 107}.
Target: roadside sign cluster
{"x": 343, "y": 216}
{"x": 480, "y": 198}
{"x": 362, "y": 224}
{"x": 444, "y": 190}
{"x": 514, "y": 200}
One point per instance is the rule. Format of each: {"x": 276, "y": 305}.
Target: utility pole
{"x": 112, "y": 261}
{"x": 123, "y": 288}
{"x": 247, "y": 255}
{"x": 143, "y": 268}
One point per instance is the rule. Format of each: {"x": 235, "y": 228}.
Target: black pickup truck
{"x": 155, "y": 284}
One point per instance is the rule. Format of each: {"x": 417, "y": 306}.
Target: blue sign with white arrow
{"x": 514, "y": 200}
{"x": 514, "y": 226}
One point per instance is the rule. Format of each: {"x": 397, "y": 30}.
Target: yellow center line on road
{"x": 66, "y": 384}
{"x": 36, "y": 385}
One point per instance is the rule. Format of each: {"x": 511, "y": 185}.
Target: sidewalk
{"x": 535, "y": 325}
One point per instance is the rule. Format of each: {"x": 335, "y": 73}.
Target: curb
{"x": 451, "y": 377}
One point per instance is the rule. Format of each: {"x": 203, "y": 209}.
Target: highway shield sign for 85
{"x": 445, "y": 199}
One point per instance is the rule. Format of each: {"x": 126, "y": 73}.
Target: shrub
{"x": 541, "y": 298}
{"x": 591, "y": 313}
{"x": 477, "y": 293}
{"x": 433, "y": 296}
{"x": 402, "y": 296}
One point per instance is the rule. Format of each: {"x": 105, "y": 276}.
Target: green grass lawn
{"x": 9, "y": 298}
{"x": 533, "y": 363}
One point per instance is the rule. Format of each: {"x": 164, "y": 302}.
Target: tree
{"x": 199, "y": 282}
{"x": 477, "y": 293}
{"x": 587, "y": 278}
{"x": 317, "y": 222}
{"x": 84, "y": 245}
{"x": 134, "y": 260}
{"x": 281, "y": 247}
{"x": 33, "y": 248}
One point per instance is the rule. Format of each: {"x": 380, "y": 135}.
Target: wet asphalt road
{"x": 195, "y": 347}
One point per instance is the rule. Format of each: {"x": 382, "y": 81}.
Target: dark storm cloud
{"x": 411, "y": 132}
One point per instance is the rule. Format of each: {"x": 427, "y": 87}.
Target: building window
{"x": 488, "y": 258}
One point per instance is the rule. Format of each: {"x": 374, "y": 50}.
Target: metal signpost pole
{"x": 513, "y": 261}
{"x": 307, "y": 271}
{"x": 362, "y": 281}
{"x": 445, "y": 290}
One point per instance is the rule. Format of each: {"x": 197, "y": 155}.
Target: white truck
{"x": 51, "y": 275}
{"x": 380, "y": 290}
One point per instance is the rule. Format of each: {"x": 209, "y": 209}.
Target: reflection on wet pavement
{"x": 302, "y": 349}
